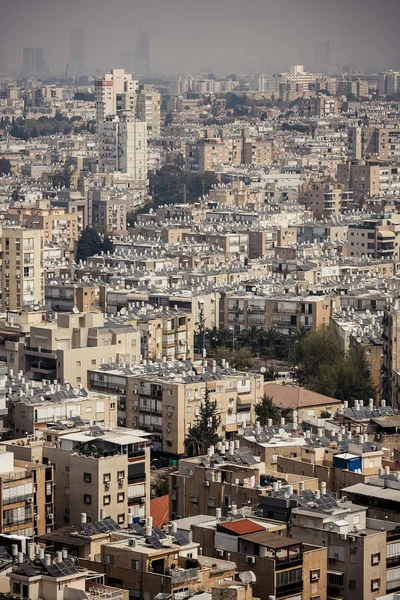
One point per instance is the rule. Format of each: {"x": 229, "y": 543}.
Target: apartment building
{"x": 34, "y": 406}
{"x": 22, "y": 279}
{"x": 123, "y": 146}
{"x": 15, "y": 325}
{"x": 148, "y": 105}
{"x": 257, "y": 152}
{"x": 283, "y": 567}
{"x": 62, "y": 295}
{"x": 26, "y": 496}
{"x": 389, "y": 142}
{"x": 166, "y": 333}
{"x": 58, "y": 227}
{"x": 67, "y": 348}
{"x": 149, "y": 562}
{"x": 376, "y": 237}
{"x": 391, "y": 353}
{"x": 356, "y": 553}
{"x": 109, "y": 213}
{"x": 208, "y": 154}
{"x": 106, "y": 90}
{"x": 96, "y": 472}
{"x": 164, "y": 398}
{"x": 326, "y": 200}
{"x": 284, "y": 313}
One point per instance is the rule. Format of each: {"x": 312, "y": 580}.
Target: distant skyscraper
{"x": 77, "y": 50}
{"x": 322, "y": 57}
{"x": 143, "y": 54}
{"x": 33, "y": 61}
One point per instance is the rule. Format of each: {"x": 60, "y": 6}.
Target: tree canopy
{"x": 168, "y": 185}
{"x": 204, "y": 433}
{"x": 91, "y": 243}
{"x": 5, "y": 166}
{"x": 324, "y": 367}
{"x": 267, "y": 410}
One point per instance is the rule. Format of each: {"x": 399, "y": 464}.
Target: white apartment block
{"x": 123, "y": 146}
{"x": 106, "y": 90}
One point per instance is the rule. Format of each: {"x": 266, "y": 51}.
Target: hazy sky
{"x": 224, "y": 35}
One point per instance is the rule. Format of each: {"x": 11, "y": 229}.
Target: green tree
{"x": 241, "y": 358}
{"x": 91, "y": 243}
{"x": 253, "y": 337}
{"x": 168, "y": 119}
{"x": 266, "y": 409}
{"x": 319, "y": 348}
{"x": 204, "y": 433}
{"x": 160, "y": 485}
{"x": 5, "y": 166}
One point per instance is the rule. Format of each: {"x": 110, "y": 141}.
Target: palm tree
{"x": 252, "y": 337}
{"x": 266, "y": 409}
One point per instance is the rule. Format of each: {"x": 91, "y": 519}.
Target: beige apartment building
{"x": 22, "y": 279}
{"x": 326, "y": 199}
{"x": 26, "y": 496}
{"x": 363, "y": 177}
{"x": 376, "y": 237}
{"x": 391, "y": 354}
{"x": 166, "y": 333}
{"x": 99, "y": 473}
{"x": 63, "y": 295}
{"x": 257, "y": 152}
{"x": 14, "y": 328}
{"x": 208, "y": 154}
{"x": 148, "y": 106}
{"x": 389, "y": 142}
{"x": 59, "y": 227}
{"x": 164, "y": 398}
{"x": 64, "y": 350}
{"x": 240, "y": 311}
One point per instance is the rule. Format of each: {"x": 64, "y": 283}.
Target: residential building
{"x": 67, "y": 348}
{"x": 22, "y": 273}
{"x": 375, "y": 237}
{"x": 106, "y": 90}
{"x": 164, "y": 398}
{"x": 326, "y": 200}
{"x": 62, "y": 295}
{"x": 26, "y": 496}
{"x": 148, "y": 105}
{"x": 166, "y": 333}
{"x": 96, "y": 472}
{"x": 391, "y": 353}
{"x": 123, "y": 146}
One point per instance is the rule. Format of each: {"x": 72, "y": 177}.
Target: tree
{"x": 168, "y": 119}
{"x": 5, "y": 166}
{"x": 324, "y": 367}
{"x": 241, "y": 358}
{"x": 91, "y": 243}
{"x": 266, "y": 409}
{"x": 160, "y": 485}
{"x": 204, "y": 433}
{"x": 252, "y": 337}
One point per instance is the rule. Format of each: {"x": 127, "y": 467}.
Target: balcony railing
{"x": 184, "y": 575}
{"x": 16, "y": 499}
{"x": 392, "y": 561}
{"x": 289, "y": 589}
{"x": 289, "y": 561}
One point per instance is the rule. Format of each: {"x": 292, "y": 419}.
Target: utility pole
{"x": 202, "y": 187}
{"x": 184, "y": 193}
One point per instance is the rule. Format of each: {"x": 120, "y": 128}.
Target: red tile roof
{"x": 293, "y": 397}
{"x": 240, "y": 527}
{"x": 159, "y": 510}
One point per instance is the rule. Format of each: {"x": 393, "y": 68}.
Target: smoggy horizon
{"x": 211, "y": 35}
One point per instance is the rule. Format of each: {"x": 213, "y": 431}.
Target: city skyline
{"x": 193, "y": 38}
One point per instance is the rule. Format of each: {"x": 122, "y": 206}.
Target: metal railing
{"x": 182, "y": 576}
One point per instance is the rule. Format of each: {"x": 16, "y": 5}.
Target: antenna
{"x": 247, "y": 577}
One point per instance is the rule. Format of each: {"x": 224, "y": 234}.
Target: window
{"x": 112, "y": 405}
{"x": 87, "y": 498}
{"x": 16, "y": 587}
{"x": 120, "y": 497}
{"x": 135, "y": 565}
{"x": 121, "y": 474}
{"x": 109, "y": 559}
{"x": 315, "y": 575}
{"x": 87, "y": 477}
{"x": 67, "y": 469}
{"x": 78, "y": 363}
{"x": 375, "y": 585}
{"x": 78, "y": 379}
{"x": 211, "y": 502}
{"x": 93, "y": 361}
{"x": 107, "y": 477}
{"x": 375, "y": 558}
{"x": 121, "y": 518}
{"x": 352, "y": 584}
{"x": 134, "y": 594}
{"x": 194, "y": 499}
{"x": 107, "y": 500}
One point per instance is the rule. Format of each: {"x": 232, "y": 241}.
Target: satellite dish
{"x": 36, "y": 307}
{"x": 75, "y": 310}
{"x": 122, "y": 311}
{"x": 263, "y": 370}
{"x": 247, "y": 577}
{"x": 241, "y": 431}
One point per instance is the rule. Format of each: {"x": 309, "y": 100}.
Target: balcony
{"x": 39, "y": 366}
{"x": 16, "y": 499}
{"x": 289, "y": 589}
{"x": 392, "y": 561}
{"x": 288, "y": 561}
{"x": 181, "y": 576}
{"x": 33, "y": 351}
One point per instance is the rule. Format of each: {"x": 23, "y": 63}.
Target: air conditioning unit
{"x": 37, "y": 517}
{"x": 219, "y": 552}
{"x": 251, "y": 559}
{"x": 169, "y": 413}
{"x": 121, "y": 480}
{"x": 49, "y": 516}
{"x": 29, "y": 500}
{"x": 207, "y": 483}
{"x": 107, "y": 484}
{"x": 314, "y": 576}
{"x": 343, "y": 536}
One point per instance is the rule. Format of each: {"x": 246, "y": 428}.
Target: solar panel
{"x": 93, "y": 528}
{"x": 223, "y": 519}
{"x": 237, "y": 517}
{"x": 53, "y": 570}
{"x": 154, "y": 542}
{"x": 138, "y": 529}
{"x": 4, "y": 553}
{"x": 28, "y": 569}
{"x": 111, "y": 524}
{"x": 180, "y": 539}
{"x": 101, "y": 527}
{"x": 160, "y": 534}
{"x": 86, "y": 529}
